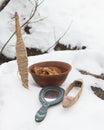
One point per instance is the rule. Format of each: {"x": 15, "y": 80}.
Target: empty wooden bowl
{"x": 53, "y": 80}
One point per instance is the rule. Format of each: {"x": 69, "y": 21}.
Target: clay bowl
{"x": 53, "y": 80}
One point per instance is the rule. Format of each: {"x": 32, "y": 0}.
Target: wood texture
{"x": 68, "y": 100}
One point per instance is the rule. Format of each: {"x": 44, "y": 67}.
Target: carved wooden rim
{"x": 68, "y": 100}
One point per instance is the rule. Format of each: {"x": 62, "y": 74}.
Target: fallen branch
{"x": 84, "y": 72}
{"x": 3, "y": 4}
{"x": 37, "y": 4}
{"x": 99, "y": 92}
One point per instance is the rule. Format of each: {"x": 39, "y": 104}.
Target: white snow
{"x": 87, "y": 26}
{"x": 18, "y": 105}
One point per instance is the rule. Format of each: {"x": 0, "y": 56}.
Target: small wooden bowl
{"x": 54, "y": 80}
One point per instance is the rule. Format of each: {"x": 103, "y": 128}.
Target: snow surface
{"x": 86, "y": 16}
{"x": 18, "y": 105}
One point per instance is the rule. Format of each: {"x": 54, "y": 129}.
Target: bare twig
{"x": 6, "y": 43}
{"x": 28, "y": 20}
{"x": 60, "y": 37}
{"x": 40, "y": 2}
{"x": 84, "y": 72}
{"x": 34, "y": 11}
{"x": 3, "y": 4}
{"x": 38, "y": 20}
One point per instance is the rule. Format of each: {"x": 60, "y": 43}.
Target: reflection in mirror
{"x": 51, "y": 95}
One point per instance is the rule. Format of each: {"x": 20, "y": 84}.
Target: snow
{"x": 18, "y": 105}
{"x": 87, "y": 26}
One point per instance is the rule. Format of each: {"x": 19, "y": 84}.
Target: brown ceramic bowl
{"x": 54, "y": 80}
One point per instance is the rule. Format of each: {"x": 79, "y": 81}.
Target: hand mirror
{"x": 48, "y": 96}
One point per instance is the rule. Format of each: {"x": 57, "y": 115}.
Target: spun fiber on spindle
{"x": 21, "y": 54}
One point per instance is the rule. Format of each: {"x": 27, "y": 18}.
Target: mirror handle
{"x": 41, "y": 113}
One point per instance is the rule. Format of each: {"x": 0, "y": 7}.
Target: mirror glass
{"x": 51, "y": 95}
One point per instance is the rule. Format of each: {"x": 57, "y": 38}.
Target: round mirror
{"x": 48, "y": 96}
{"x": 51, "y": 95}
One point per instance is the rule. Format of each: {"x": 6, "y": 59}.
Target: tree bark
{"x": 3, "y": 4}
